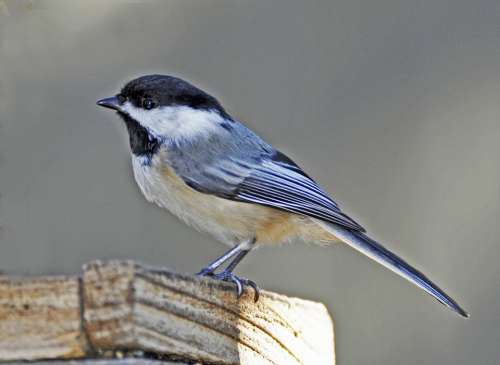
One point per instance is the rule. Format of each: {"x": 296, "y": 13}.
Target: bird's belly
{"x": 228, "y": 221}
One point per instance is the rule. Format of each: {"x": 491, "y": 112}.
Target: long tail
{"x": 379, "y": 253}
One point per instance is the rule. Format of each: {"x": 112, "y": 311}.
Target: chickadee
{"x": 192, "y": 158}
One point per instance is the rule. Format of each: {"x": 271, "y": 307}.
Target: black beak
{"x": 110, "y": 103}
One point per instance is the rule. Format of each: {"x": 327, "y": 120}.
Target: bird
{"x": 192, "y": 158}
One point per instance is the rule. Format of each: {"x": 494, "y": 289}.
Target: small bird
{"x": 192, "y": 158}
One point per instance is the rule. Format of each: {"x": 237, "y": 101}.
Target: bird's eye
{"x": 148, "y": 103}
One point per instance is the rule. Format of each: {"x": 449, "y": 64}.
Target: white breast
{"x": 228, "y": 221}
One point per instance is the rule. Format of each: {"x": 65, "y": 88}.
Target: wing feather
{"x": 282, "y": 187}
{"x": 276, "y": 181}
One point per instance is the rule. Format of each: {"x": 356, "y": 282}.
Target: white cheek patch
{"x": 175, "y": 122}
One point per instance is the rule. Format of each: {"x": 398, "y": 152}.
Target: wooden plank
{"x": 40, "y": 318}
{"x": 125, "y": 306}
{"x": 105, "y": 362}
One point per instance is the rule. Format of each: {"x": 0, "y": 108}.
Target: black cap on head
{"x": 161, "y": 90}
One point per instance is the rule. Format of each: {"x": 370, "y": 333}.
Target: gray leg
{"x": 239, "y": 256}
{"x": 214, "y": 265}
{"x": 238, "y": 252}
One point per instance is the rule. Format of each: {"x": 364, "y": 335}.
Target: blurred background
{"x": 393, "y": 106}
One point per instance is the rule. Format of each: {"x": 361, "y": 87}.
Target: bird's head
{"x": 167, "y": 107}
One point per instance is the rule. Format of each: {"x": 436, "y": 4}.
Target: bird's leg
{"x": 214, "y": 265}
{"x": 239, "y": 256}
{"x": 239, "y": 252}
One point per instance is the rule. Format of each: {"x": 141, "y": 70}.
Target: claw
{"x": 255, "y": 289}
{"x": 239, "y": 286}
{"x": 230, "y": 277}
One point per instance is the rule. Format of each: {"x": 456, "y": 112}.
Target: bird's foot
{"x": 231, "y": 278}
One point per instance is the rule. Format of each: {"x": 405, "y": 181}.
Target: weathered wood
{"x": 105, "y": 362}
{"x": 120, "y": 305}
{"x": 40, "y": 318}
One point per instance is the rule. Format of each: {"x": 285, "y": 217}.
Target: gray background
{"x": 393, "y": 106}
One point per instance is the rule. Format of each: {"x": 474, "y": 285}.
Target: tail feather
{"x": 377, "y": 252}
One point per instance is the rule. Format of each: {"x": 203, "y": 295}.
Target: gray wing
{"x": 253, "y": 172}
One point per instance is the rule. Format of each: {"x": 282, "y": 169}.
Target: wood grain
{"x": 121, "y": 307}
{"x": 106, "y": 362}
{"x": 40, "y": 318}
